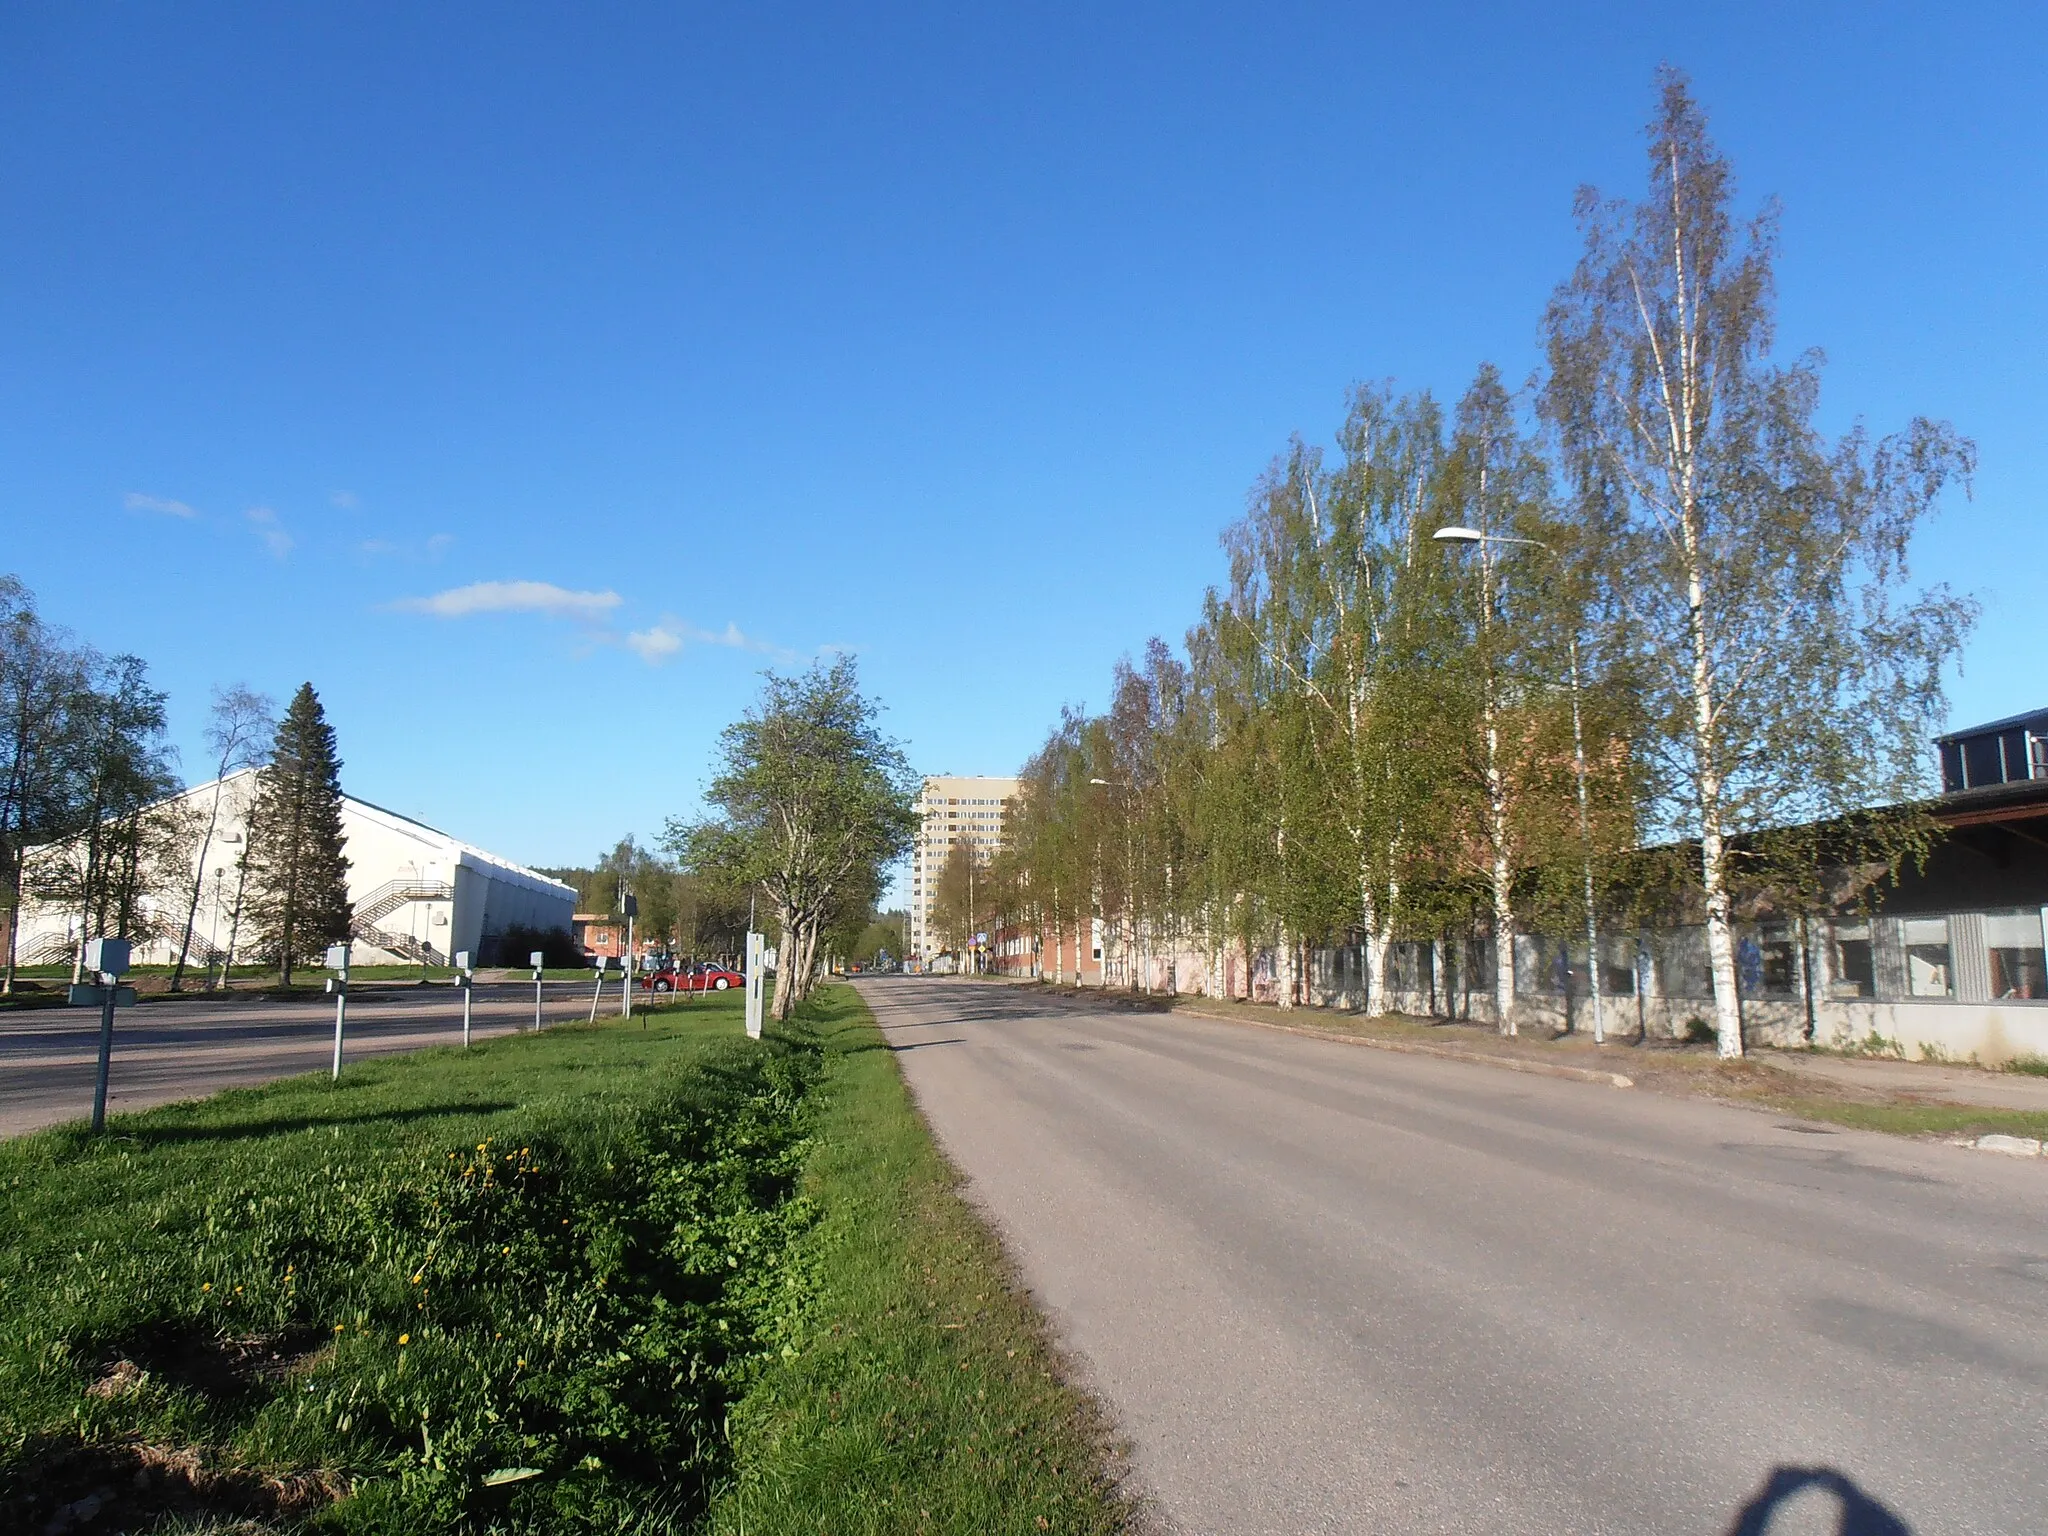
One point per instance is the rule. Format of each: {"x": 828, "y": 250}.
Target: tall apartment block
{"x": 951, "y": 811}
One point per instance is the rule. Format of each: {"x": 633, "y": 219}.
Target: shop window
{"x": 2014, "y": 942}
{"x": 1928, "y": 971}
{"x": 1855, "y": 967}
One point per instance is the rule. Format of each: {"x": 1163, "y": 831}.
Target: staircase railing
{"x": 397, "y": 943}
{"x": 393, "y": 894}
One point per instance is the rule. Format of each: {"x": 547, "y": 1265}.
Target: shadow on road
{"x": 1858, "y": 1514}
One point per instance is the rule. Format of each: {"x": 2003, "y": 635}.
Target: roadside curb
{"x": 1413, "y": 1048}
{"x": 2008, "y": 1146}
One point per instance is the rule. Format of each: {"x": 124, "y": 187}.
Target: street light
{"x": 1461, "y": 536}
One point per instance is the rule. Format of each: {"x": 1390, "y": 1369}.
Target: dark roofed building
{"x": 2003, "y": 752}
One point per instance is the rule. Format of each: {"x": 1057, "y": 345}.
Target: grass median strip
{"x": 580, "y": 1280}
{"x": 924, "y": 1396}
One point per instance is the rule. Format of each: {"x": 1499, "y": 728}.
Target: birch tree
{"x": 1788, "y": 671}
{"x": 812, "y": 802}
{"x": 238, "y": 735}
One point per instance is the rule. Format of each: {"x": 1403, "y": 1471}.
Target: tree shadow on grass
{"x": 239, "y": 1130}
{"x": 1857, "y": 1513}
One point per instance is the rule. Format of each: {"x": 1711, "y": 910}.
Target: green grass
{"x": 924, "y": 1396}
{"x": 605, "y": 1278}
{"x": 1911, "y": 1119}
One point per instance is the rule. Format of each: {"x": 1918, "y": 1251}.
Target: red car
{"x": 695, "y": 978}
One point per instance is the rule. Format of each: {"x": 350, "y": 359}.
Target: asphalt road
{"x": 181, "y": 1050}
{"x": 1329, "y": 1289}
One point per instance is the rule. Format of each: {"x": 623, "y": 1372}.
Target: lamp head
{"x": 1455, "y": 535}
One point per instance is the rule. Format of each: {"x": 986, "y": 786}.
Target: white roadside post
{"x": 337, "y": 962}
{"x": 629, "y": 906}
{"x": 597, "y": 992}
{"x": 108, "y": 959}
{"x": 753, "y": 1015}
{"x": 536, "y": 959}
{"x": 463, "y": 977}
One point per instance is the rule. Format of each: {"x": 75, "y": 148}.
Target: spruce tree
{"x": 298, "y": 872}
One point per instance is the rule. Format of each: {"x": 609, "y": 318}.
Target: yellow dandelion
{"x": 207, "y": 1287}
{"x": 505, "y": 1250}
{"x": 522, "y": 1362}
{"x": 405, "y": 1338}
{"x": 416, "y": 1278}
{"x": 341, "y": 1327}
{"x": 238, "y": 1290}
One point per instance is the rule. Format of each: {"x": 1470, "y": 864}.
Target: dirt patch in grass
{"x": 138, "y": 1485}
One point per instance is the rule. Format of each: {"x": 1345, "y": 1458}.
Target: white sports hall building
{"x": 417, "y": 893}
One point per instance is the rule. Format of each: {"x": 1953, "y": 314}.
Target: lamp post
{"x": 1455, "y": 535}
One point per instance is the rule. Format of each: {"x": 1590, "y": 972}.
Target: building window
{"x": 1855, "y": 967}
{"x": 1680, "y": 956}
{"x": 1767, "y": 962}
{"x": 1543, "y": 966}
{"x": 2014, "y": 942}
{"x": 1928, "y": 971}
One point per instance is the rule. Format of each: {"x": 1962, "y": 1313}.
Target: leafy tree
{"x": 112, "y": 773}
{"x": 45, "y": 680}
{"x": 1785, "y": 673}
{"x": 298, "y": 871}
{"x": 957, "y": 906}
{"x": 883, "y": 932}
{"x": 813, "y": 802}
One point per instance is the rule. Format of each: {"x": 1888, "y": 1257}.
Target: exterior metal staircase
{"x": 387, "y": 899}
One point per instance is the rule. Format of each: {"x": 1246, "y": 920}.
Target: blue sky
{"x": 950, "y": 335}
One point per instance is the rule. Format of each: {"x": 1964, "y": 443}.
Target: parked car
{"x": 692, "y": 978}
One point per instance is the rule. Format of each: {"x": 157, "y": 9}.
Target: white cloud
{"x": 663, "y": 640}
{"x": 438, "y": 544}
{"x": 274, "y": 538}
{"x": 135, "y": 501}
{"x": 655, "y": 645}
{"x": 346, "y": 500}
{"x": 542, "y": 597}
{"x": 732, "y": 636}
